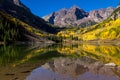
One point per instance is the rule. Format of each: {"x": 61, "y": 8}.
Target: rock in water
{"x": 110, "y": 64}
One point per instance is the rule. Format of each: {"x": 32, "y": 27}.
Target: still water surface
{"x": 60, "y": 62}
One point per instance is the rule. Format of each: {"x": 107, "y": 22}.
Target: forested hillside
{"x": 108, "y": 29}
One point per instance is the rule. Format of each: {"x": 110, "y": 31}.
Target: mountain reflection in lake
{"x": 60, "y": 62}
{"x": 74, "y": 69}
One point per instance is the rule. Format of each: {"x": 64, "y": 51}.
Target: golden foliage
{"x": 104, "y": 30}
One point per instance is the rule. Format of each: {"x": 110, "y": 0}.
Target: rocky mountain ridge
{"x": 76, "y": 16}
{"x": 105, "y": 31}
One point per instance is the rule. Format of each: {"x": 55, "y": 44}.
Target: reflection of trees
{"x": 14, "y": 55}
{"x": 104, "y": 53}
{"x": 20, "y": 54}
{"x": 11, "y": 54}
{"x": 17, "y": 54}
{"x": 79, "y": 58}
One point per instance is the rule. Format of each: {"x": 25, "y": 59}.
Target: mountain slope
{"x": 12, "y": 29}
{"x": 16, "y": 9}
{"x": 76, "y": 16}
{"x": 108, "y": 30}
{"x": 105, "y": 30}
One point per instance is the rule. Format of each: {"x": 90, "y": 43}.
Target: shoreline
{"x": 26, "y": 42}
{"x": 98, "y": 42}
{"x": 2, "y": 43}
{"x": 107, "y": 41}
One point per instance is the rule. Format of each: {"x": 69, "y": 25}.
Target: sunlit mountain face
{"x": 77, "y": 17}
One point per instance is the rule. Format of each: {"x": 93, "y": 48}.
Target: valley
{"x": 70, "y": 43}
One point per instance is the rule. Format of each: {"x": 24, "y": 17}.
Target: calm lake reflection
{"x": 60, "y": 62}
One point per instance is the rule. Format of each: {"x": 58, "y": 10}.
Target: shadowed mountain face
{"x": 12, "y": 30}
{"x": 16, "y": 9}
{"x": 17, "y": 23}
{"x": 76, "y": 16}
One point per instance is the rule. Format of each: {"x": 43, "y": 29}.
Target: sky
{"x": 45, "y": 7}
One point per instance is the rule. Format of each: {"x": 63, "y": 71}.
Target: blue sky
{"x": 44, "y": 7}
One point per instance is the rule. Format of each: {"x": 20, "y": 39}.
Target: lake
{"x": 60, "y": 62}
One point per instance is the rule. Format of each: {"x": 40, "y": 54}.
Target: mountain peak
{"x": 11, "y": 2}
{"x": 76, "y": 15}
{"x": 63, "y": 9}
{"x": 75, "y": 7}
{"x": 110, "y": 7}
{"x": 16, "y": 2}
